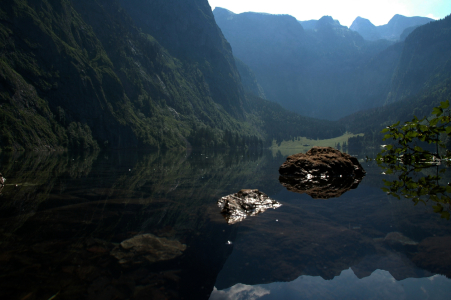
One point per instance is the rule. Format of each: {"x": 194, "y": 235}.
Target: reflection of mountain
{"x": 84, "y": 208}
{"x": 399, "y": 266}
{"x": 364, "y": 230}
{"x": 75, "y": 209}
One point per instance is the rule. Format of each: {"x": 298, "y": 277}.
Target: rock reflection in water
{"x": 247, "y": 202}
{"x": 320, "y": 187}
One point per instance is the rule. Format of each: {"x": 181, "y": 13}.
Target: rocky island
{"x": 322, "y": 173}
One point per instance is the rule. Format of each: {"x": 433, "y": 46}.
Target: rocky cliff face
{"x": 425, "y": 64}
{"x": 79, "y": 74}
{"x": 189, "y": 32}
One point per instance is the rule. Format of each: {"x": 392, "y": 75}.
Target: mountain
{"x": 317, "y": 73}
{"x": 366, "y": 29}
{"x": 309, "y": 25}
{"x": 82, "y": 67}
{"x": 420, "y": 81}
{"x": 189, "y": 33}
{"x": 248, "y": 79}
{"x": 91, "y": 74}
{"x": 425, "y": 64}
{"x": 393, "y": 30}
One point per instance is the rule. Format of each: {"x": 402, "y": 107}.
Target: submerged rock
{"x": 148, "y": 247}
{"x": 323, "y": 172}
{"x": 247, "y": 202}
{"x": 398, "y": 237}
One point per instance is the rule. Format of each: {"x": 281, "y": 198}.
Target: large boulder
{"x": 323, "y": 172}
{"x": 247, "y": 202}
{"x": 322, "y": 161}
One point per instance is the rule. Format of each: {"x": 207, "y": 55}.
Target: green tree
{"x": 412, "y": 163}
{"x": 410, "y": 136}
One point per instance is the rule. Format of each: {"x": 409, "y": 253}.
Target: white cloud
{"x": 239, "y": 292}
{"x": 432, "y": 16}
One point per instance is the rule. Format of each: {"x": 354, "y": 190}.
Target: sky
{"x": 379, "y": 12}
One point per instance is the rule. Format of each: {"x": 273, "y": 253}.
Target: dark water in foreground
{"x": 63, "y": 217}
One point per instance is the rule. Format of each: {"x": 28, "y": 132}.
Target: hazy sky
{"x": 379, "y": 12}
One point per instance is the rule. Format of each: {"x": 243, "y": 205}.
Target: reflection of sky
{"x": 380, "y": 285}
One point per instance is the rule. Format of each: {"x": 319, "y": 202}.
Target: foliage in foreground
{"x": 409, "y": 156}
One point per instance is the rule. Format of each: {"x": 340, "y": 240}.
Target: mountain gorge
{"x": 173, "y": 74}
{"x": 325, "y": 72}
{"x": 329, "y": 71}
{"x": 121, "y": 74}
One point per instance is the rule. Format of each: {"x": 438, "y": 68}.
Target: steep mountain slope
{"x": 390, "y": 31}
{"x": 189, "y": 32}
{"x": 149, "y": 74}
{"x": 317, "y": 73}
{"x": 422, "y": 79}
{"x": 97, "y": 72}
{"x": 248, "y": 79}
{"x": 425, "y": 64}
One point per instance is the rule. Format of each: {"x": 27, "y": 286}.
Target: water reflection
{"x": 379, "y": 285}
{"x": 66, "y": 218}
{"x": 320, "y": 187}
{"x": 69, "y": 229}
{"x": 420, "y": 182}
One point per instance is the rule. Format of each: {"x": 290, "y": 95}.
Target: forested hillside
{"x": 91, "y": 74}
{"x": 421, "y": 81}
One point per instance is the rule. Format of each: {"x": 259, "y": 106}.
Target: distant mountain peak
{"x": 360, "y": 22}
{"x": 327, "y": 22}
{"x": 365, "y": 28}
{"x": 390, "y": 31}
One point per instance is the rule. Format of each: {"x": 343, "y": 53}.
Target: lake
{"x": 146, "y": 225}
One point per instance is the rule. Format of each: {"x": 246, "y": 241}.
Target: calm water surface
{"x": 64, "y": 219}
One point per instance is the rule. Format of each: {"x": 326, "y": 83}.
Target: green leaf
{"x": 445, "y": 215}
{"x": 438, "y": 208}
{"x": 444, "y": 104}
{"x": 437, "y": 111}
